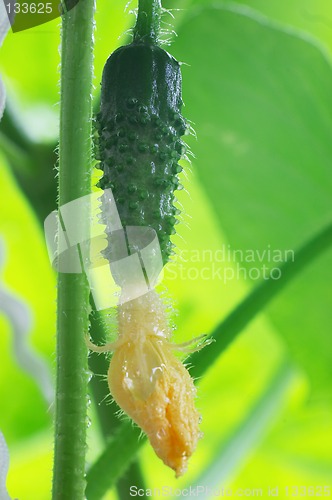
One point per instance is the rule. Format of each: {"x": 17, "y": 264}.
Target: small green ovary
{"x": 141, "y": 170}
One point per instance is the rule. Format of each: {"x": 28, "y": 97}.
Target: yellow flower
{"x": 157, "y": 392}
{"x": 150, "y": 384}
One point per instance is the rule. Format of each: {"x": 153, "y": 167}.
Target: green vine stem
{"x": 148, "y": 21}
{"x": 73, "y": 290}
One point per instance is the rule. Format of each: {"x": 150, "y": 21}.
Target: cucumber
{"x": 140, "y": 127}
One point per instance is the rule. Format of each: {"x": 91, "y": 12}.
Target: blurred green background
{"x": 257, "y": 85}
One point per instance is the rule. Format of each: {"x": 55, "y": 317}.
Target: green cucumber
{"x": 140, "y": 127}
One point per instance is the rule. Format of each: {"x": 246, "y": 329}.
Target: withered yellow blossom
{"x": 151, "y": 384}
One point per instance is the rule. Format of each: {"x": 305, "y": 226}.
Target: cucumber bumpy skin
{"x": 140, "y": 127}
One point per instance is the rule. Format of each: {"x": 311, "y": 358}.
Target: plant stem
{"x": 73, "y": 290}
{"x": 148, "y": 21}
{"x": 120, "y": 451}
{"x": 131, "y": 477}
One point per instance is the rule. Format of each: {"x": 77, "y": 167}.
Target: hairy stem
{"x": 73, "y": 290}
{"x": 148, "y": 21}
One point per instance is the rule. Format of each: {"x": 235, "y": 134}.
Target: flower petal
{"x": 168, "y": 415}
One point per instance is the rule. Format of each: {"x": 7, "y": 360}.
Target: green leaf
{"x": 296, "y": 451}
{"x": 311, "y": 16}
{"x": 261, "y": 103}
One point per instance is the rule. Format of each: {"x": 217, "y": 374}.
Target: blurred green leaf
{"x": 249, "y": 433}
{"x": 311, "y": 16}
{"x": 30, "y": 467}
{"x": 296, "y": 451}
{"x": 26, "y": 273}
{"x": 263, "y": 155}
